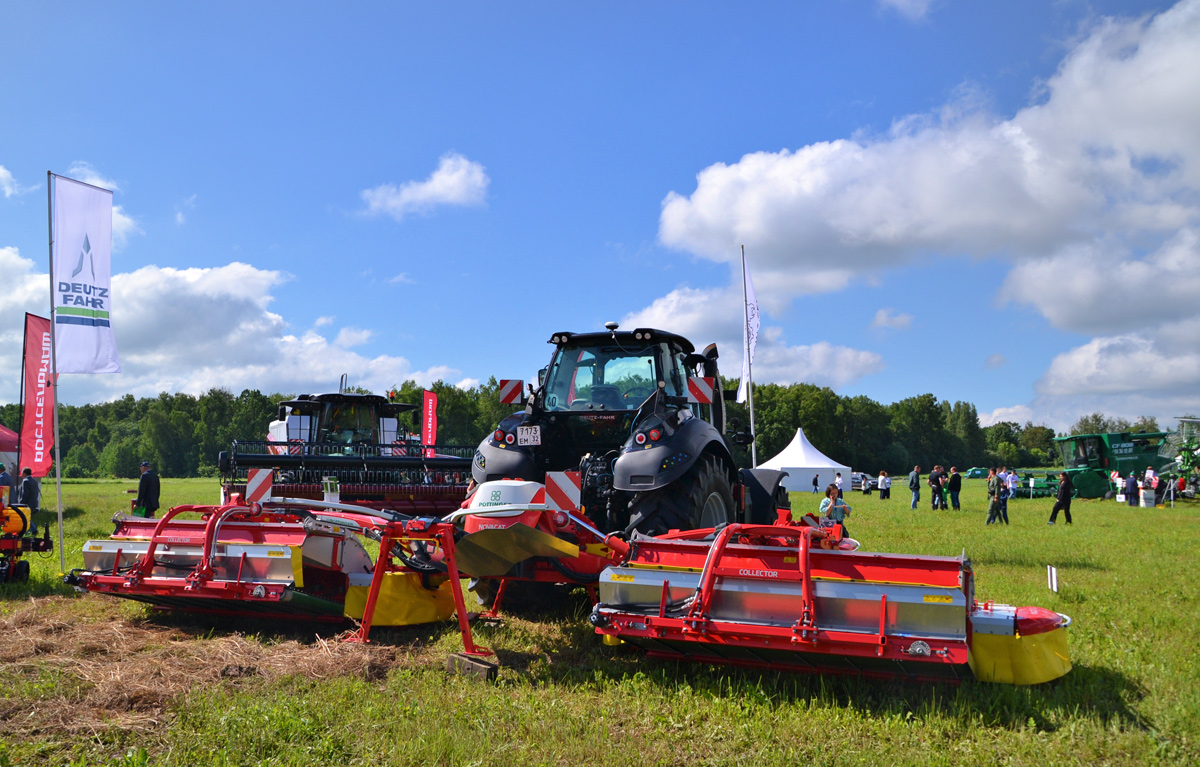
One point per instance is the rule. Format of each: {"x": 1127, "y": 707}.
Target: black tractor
{"x": 615, "y": 406}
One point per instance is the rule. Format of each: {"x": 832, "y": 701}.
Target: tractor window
{"x": 678, "y": 375}
{"x": 604, "y": 378}
{"x": 346, "y": 423}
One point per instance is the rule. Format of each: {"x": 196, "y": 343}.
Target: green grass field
{"x": 87, "y": 680}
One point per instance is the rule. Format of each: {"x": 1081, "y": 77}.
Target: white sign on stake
{"x": 1052, "y": 578}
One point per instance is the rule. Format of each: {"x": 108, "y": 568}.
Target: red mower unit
{"x": 286, "y": 558}
{"x": 792, "y": 596}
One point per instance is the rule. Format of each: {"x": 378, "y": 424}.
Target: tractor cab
{"x": 612, "y": 372}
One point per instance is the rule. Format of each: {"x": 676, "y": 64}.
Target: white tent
{"x": 802, "y": 462}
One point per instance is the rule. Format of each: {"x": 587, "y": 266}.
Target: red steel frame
{"x": 277, "y": 528}
{"x": 770, "y": 562}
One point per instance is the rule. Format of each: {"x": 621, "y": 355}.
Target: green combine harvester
{"x": 1090, "y": 459}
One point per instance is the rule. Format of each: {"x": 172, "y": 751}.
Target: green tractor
{"x": 1090, "y": 459}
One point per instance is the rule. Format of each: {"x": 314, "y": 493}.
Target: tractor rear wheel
{"x": 702, "y": 497}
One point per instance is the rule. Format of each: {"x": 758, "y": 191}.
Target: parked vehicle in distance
{"x": 857, "y": 478}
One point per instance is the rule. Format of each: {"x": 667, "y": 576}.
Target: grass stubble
{"x": 89, "y": 680}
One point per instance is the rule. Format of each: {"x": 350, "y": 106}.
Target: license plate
{"x": 529, "y": 435}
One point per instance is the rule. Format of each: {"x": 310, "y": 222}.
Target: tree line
{"x": 181, "y": 434}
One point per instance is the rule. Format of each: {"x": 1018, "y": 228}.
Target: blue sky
{"x": 934, "y": 196}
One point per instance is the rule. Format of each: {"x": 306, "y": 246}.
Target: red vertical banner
{"x": 37, "y": 426}
{"x": 429, "y": 423}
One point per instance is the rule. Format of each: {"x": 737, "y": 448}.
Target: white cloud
{"x": 457, "y": 181}
{"x": 348, "y": 337}
{"x": 180, "y": 208}
{"x": 8, "y": 184}
{"x": 705, "y": 316}
{"x": 322, "y": 321}
{"x": 193, "y": 329}
{"x": 1092, "y": 192}
{"x": 83, "y": 171}
{"x": 1092, "y": 289}
{"x": 1017, "y": 414}
{"x": 912, "y": 9}
{"x": 994, "y": 361}
{"x": 1123, "y": 364}
{"x": 885, "y": 318}
{"x": 123, "y": 227}
{"x": 467, "y": 383}
{"x": 402, "y": 279}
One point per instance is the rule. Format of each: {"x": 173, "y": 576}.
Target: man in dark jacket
{"x": 914, "y": 484}
{"x": 147, "y": 497}
{"x": 1063, "y": 499}
{"x": 8, "y": 486}
{"x": 935, "y": 485}
{"x": 954, "y": 487}
{"x": 30, "y": 495}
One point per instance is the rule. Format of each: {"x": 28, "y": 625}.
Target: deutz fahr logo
{"x": 83, "y": 303}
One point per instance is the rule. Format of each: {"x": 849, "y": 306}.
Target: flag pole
{"x": 62, "y": 554}
{"x": 750, "y": 375}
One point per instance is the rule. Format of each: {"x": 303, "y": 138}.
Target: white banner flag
{"x": 749, "y": 332}
{"x": 80, "y": 267}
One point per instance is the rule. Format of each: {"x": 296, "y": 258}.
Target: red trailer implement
{"x": 287, "y": 558}
{"x": 784, "y": 596}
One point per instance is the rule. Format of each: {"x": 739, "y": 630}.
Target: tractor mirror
{"x": 729, "y": 395}
{"x": 542, "y": 376}
{"x": 734, "y": 424}
{"x": 282, "y": 414}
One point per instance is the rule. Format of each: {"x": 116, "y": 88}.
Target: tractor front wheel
{"x": 702, "y": 497}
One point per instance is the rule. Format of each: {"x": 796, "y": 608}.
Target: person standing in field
{"x": 954, "y": 487}
{"x": 837, "y": 480}
{"x": 816, "y": 482}
{"x": 914, "y": 484}
{"x": 1063, "y": 499}
{"x": 1131, "y": 489}
{"x": 148, "y": 488}
{"x": 885, "y": 486}
{"x": 1002, "y": 475}
{"x": 30, "y": 496}
{"x": 996, "y": 489}
{"x": 834, "y": 508}
{"x": 935, "y": 487}
{"x": 8, "y": 486}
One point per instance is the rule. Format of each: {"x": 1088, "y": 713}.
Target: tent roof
{"x": 801, "y": 454}
{"x": 8, "y": 440}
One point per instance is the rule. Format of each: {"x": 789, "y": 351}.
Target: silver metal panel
{"x": 923, "y": 611}
{"x": 1001, "y": 619}
{"x": 269, "y": 563}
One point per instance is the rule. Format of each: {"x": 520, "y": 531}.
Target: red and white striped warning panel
{"x": 562, "y": 490}
{"x": 258, "y": 485}
{"x": 510, "y": 391}
{"x": 700, "y": 390}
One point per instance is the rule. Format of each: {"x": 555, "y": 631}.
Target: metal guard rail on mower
{"x": 671, "y": 624}
{"x": 393, "y": 530}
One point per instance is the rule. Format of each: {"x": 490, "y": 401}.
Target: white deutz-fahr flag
{"x": 749, "y": 332}
{"x": 80, "y": 265}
